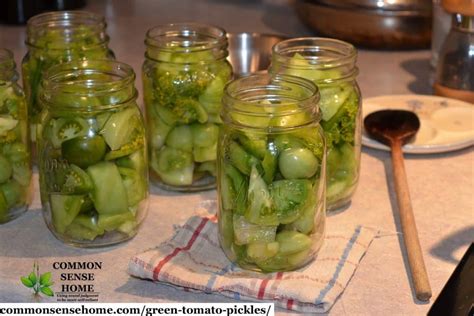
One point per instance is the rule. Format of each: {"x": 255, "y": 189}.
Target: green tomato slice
{"x": 109, "y": 194}
{"x": 84, "y": 151}
{"x": 67, "y": 128}
{"x": 64, "y": 208}
{"x": 76, "y": 181}
{"x": 6, "y": 169}
{"x": 119, "y": 128}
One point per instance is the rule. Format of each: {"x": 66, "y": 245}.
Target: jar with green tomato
{"x": 331, "y": 65}
{"x": 15, "y": 168}
{"x": 58, "y": 37}
{"x": 271, "y": 173}
{"x": 92, "y": 153}
{"x": 184, "y": 75}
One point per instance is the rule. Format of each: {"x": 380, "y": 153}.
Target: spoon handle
{"x": 407, "y": 220}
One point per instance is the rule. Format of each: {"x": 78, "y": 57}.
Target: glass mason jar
{"x": 330, "y": 64}
{"x": 55, "y": 38}
{"x": 15, "y": 168}
{"x": 271, "y": 173}
{"x": 183, "y": 81}
{"x": 92, "y": 153}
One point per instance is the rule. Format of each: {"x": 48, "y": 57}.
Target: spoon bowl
{"x": 387, "y": 126}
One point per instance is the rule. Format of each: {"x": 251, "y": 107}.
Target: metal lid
{"x": 385, "y": 5}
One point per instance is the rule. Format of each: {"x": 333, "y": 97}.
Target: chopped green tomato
{"x": 281, "y": 262}
{"x": 64, "y": 208}
{"x": 305, "y": 223}
{"x": 203, "y": 154}
{"x": 16, "y": 152}
{"x": 110, "y": 222}
{"x": 289, "y": 197}
{"x": 204, "y": 135}
{"x": 174, "y": 166}
{"x": 239, "y": 158}
{"x": 130, "y": 147}
{"x": 134, "y": 185}
{"x": 6, "y": 169}
{"x": 286, "y": 141}
{"x": 269, "y": 165}
{"x": 22, "y": 173}
{"x": 254, "y": 143}
{"x": 259, "y": 210}
{"x": 292, "y": 242}
{"x": 159, "y": 130}
{"x": 332, "y": 97}
{"x": 246, "y": 232}
{"x": 84, "y": 151}
{"x": 76, "y": 181}
{"x": 67, "y": 128}
{"x": 262, "y": 251}
{"x": 239, "y": 186}
{"x": 208, "y": 166}
{"x": 109, "y": 194}
{"x": 119, "y": 128}
{"x": 227, "y": 194}
{"x": 211, "y": 98}
{"x": 7, "y": 123}
{"x": 299, "y": 68}
{"x": 180, "y": 137}
{"x": 188, "y": 111}
{"x": 85, "y": 227}
{"x": 298, "y": 163}
{"x": 135, "y": 161}
{"x": 128, "y": 227}
{"x": 101, "y": 119}
{"x": 166, "y": 115}
{"x": 12, "y": 192}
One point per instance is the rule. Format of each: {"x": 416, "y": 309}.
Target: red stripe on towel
{"x": 263, "y": 285}
{"x": 261, "y": 290}
{"x": 289, "y": 304}
{"x": 190, "y": 243}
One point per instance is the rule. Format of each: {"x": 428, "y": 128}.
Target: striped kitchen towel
{"x": 192, "y": 259}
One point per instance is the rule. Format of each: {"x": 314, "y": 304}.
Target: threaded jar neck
{"x": 91, "y": 85}
{"x": 267, "y": 102}
{"x": 336, "y": 58}
{"x": 208, "y": 42}
{"x": 7, "y": 66}
{"x": 65, "y": 30}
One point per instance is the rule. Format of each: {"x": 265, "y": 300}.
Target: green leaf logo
{"x": 38, "y": 282}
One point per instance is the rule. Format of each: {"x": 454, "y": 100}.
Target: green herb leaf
{"x": 47, "y": 291}
{"x": 45, "y": 279}
{"x": 32, "y": 278}
{"x": 26, "y": 282}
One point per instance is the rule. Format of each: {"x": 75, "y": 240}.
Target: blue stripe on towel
{"x": 340, "y": 264}
{"x": 214, "y": 275}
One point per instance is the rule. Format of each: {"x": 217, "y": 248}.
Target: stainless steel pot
{"x": 251, "y": 52}
{"x": 383, "y": 24}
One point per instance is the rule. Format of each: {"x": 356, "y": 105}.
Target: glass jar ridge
{"x": 92, "y": 153}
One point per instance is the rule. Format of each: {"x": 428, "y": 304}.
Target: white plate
{"x": 446, "y": 124}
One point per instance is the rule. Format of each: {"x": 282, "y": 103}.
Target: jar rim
{"x": 67, "y": 22}
{"x": 63, "y": 76}
{"x": 344, "y": 52}
{"x": 283, "y": 84}
{"x": 186, "y": 37}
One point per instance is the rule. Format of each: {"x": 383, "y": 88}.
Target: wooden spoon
{"x": 395, "y": 128}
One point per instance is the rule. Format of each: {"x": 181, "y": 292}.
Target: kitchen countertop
{"x": 441, "y": 185}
